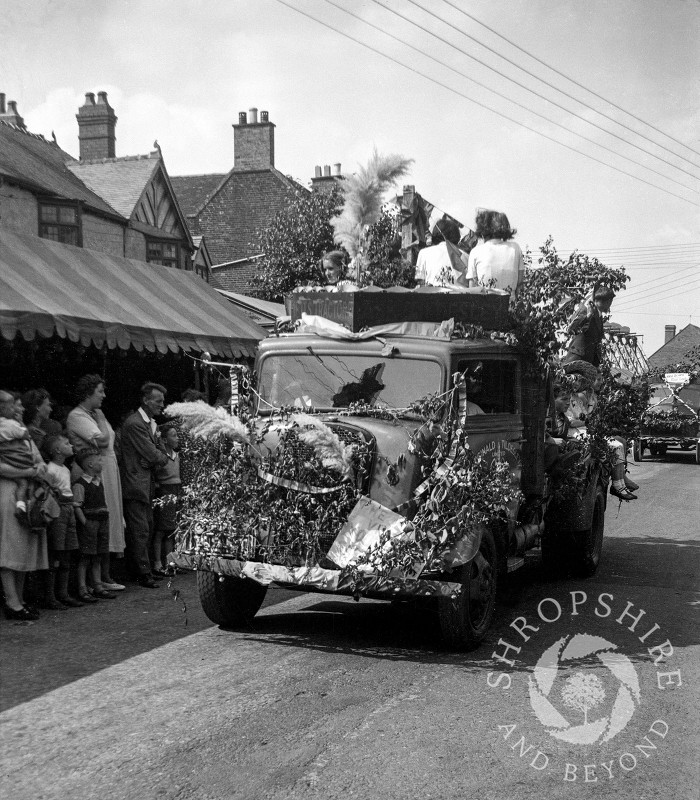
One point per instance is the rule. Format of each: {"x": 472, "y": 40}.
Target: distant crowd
{"x": 76, "y": 497}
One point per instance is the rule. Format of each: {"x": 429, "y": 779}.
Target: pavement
{"x": 324, "y": 697}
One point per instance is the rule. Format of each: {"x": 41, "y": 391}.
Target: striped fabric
{"x": 94, "y": 298}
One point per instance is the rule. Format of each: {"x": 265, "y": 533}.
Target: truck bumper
{"x": 317, "y": 579}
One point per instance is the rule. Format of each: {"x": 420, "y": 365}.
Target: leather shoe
{"x": 147, "y": 582}
{"x": 631, "y": 485}
{"x": 54, "y": 605}
{"x": 622, "y": 495}
{"x": 70, "y": 602}
{"x": 86, "y": 597}
{"x": 23, "y": 615}
{"x": 103, "y": 594}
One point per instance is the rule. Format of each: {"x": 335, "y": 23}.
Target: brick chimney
{"x": 323, "y": 178}
{"x": 669, "y": 333}
{"x": 96, "y": 123}
{"x": 9, "y": 113}
{"x": 253, "y": 141}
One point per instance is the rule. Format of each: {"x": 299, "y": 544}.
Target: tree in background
{"x": 294, "y": 242}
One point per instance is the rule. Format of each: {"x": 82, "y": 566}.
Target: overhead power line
{"x": 648, "y": 247}
{"x": 581, "y": 86}
{"x": 653, "y": 298}
{"x": 524, "y": 86}
{"x": 635, "y": 293}
{"x": 480, "y": 104}
{"x": 636, "y": 286}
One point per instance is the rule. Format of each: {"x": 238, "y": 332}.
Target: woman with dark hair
{"x": 497, "y": 262}
{"x": 443, "y": 263}
{"x": 37, "y": 410}
{"x": 87, "y": 427}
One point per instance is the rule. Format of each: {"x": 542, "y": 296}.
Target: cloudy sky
{"x": 491, "y": 127}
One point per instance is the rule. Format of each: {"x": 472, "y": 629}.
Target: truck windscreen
{"x": 325, "y": 381}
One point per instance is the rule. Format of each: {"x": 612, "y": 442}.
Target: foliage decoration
{"x": 363, "y": 196}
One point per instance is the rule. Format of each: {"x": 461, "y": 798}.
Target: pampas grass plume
{"x": 205, "y": 422}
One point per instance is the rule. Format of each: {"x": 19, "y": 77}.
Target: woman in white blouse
{"x": 87, "y": 426}
{"x": 498, "y": 261}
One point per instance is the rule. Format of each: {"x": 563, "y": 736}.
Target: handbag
{"x": 42, "y": 508}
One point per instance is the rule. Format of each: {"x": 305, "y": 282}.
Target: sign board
{"x": 677, "y": 378}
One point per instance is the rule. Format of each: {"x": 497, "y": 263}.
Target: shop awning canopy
{"x": 48, "y": 288}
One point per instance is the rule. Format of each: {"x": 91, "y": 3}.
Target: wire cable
{"x": 483, "y": 105}
{"x": 654, "y": 247}
{"x": 632, "y": 295}
{"x": 636, "y": 286}
{"x": 661, "y": 295}
{"x": 518, "y": 83}
{"x": 585, "y": 88}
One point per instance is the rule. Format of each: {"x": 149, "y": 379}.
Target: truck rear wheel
{"x": 587, "y": 546}
{"x": 465, "y": 620}
{"x": 231, "y": 602}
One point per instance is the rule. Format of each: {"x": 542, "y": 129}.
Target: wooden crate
{"x": 357, "y": 310}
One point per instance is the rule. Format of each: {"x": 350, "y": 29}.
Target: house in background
{"x": 123, "y": 206}
{"x": 675, "y": 346}
{"x": 231, "y": 210}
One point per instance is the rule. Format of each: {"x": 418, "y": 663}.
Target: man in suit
{"x": 140, "y": 454}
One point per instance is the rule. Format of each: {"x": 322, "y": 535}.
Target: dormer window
{"x": 60, "y": 222}
{"x": 164, "y": 253}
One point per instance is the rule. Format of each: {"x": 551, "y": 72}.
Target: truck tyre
{"x": 231, "y": 602}
{"x": 587, "y": 546}
{"x": 697, "y": 453}
{"x": 465, "y": 620}
{"x": 638, "y": 450}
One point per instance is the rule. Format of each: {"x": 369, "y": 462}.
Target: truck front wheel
{"x": 227, "y": 601}
{"x": 465, "y": 619}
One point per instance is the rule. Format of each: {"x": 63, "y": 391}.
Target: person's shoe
{"x": 159, "y": 573}
{"x": 103, "y": 594}
{"x": 70, "y": 602}
{"x": 23, "y": 615}
{"x": 85, "y": 597}
{"x": 112, "y": 586}
{"x": 147, "y": 582}
{"x": 622, "y": 494}
{"x": 54, "y": 605}
{"x": 631, "y": 485}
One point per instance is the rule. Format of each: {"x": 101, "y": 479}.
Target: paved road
{"x": 325, "y": 698}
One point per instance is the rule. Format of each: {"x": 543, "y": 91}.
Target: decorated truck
{"x": 403, "y": 459}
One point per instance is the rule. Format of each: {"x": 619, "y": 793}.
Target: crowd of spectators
{"x": 78, "y": 499}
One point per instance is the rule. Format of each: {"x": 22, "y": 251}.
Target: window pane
{"x": 68, "y": 215}
{"x": 169, "y": 251}
{"x": 49, "y": 214}
{"x": 68, "y": 235}
{"x": 336, "y": 380}
{"x": 492, "y": 385}
{"x": 49, "y": 232}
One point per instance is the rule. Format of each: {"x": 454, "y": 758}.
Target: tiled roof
{"x": 673, "y": 351}
{"x": 241, "y": 207}
{"x": 32, "y": 161}
{"x": 120, "y": 181}
{"x": 193, "y": 190}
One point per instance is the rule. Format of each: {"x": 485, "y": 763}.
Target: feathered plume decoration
{"x": 327, "y": 445}
{"x": 364, "y": 194}
{"x": 205, "y": 422}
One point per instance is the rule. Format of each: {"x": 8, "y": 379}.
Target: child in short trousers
{"x": 61, "y": 532}
{"x": 93, "y": 525}
{"x": 169, "y": 487}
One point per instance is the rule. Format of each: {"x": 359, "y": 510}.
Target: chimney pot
{"x": 252, "y": 116}
{"x": 337, "y": 169}
{"x": 242, "y": 118}
{"x": 669, "y": 333}
{"x": 89, "y": 98}
{"x": 2, "y": 103}
{"x": 326, "y": 170}
{"x": 12, "y": 106}
{"x": 102, "y": 98}
{"x": 264, "y": 116}
{"x": 317, "y": 172}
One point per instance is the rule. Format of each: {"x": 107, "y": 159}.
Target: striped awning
{"x": 48, "y": 288}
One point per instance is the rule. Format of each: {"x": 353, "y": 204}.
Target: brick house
{"x": 675, "y": 346}
{"x": 122, "y": 206}
{"x": 230, "y": 210}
